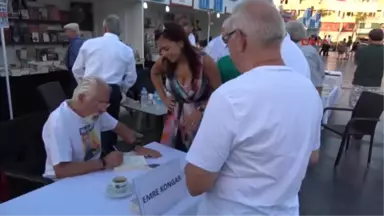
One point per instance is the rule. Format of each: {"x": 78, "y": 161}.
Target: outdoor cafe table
{"x": 86, "y": 194}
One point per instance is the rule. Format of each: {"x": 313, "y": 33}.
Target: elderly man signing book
{"x": 72, "y": 133}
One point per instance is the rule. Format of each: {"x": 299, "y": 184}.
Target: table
{"x": 85, "y": 195}
{"x": 331, "y": 91}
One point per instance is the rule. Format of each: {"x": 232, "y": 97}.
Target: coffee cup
{"x": 120, "y": 184}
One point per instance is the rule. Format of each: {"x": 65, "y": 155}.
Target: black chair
{"x": 53, "y": 94}
{"x": 22, "y": 153}
{"x": 364, "y": 118}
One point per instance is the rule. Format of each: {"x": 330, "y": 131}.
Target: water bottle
{"x": 157, "y": 101}
{"x": 144, "y": 97}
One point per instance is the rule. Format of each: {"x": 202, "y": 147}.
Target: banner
{"x": 187, "y": 3}
{"x": 4, "y": 14}
{"x": 218, "y": 6}
{"x": 161, "y": 189}
{"x": 204, "y": 4}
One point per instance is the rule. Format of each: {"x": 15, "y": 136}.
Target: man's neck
{"x": 376, "y": 42}
{"x": 72, "y": 104}
{"x": 268, "y": 58}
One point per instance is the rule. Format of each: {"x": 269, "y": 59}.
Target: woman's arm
{"x": 156, "y": 76}
{"x": 212, "y": 72}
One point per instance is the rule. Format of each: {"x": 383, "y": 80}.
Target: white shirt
{"x": 69, "y": 138}
{"x": 294, "y": 58}
{"x": 192, "y": 39}
{"x": 107, "y": 58}
{"x": 217, "y": 49}
{"x": 269, "y": 125}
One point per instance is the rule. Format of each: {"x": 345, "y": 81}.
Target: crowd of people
{"x": 247, "y": 109}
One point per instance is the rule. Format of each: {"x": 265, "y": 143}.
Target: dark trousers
{"x": 109, "y": 138}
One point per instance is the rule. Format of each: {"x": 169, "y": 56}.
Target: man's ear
{"x": 81, "y": 98}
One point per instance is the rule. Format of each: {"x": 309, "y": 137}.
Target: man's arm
{"x": 125, "y": 133}
{"x": 315, "y": 155}
{"x": 78, "y": 68}
{"x": 211, "y": 146}
{"x": 130, "y": 74}
{"x": 69, "y": 169}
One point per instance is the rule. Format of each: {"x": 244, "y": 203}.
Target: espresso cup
{"x": 120, "y": 184}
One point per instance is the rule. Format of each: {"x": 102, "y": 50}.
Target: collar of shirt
{"x": 107, "y": 34}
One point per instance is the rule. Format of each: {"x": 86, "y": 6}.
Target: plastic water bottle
{"x": 157, "y": 101}
{"x": 144, "y": 97}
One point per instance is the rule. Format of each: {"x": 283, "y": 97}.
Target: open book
{"x": 132, "y": 162}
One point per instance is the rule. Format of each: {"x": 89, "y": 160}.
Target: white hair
{"x": 296, "y": 30}
{"x": 263, "y": 27}
{"x": 88, "y": 86}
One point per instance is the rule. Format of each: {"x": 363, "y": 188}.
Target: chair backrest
{"x": 369, "y": 105}
{"x": 21, "y": 145}
{"x": 53, "y": 94}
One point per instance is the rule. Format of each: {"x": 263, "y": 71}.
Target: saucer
{"x": 112, "y": 194}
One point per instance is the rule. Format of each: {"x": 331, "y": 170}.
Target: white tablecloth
{"x": 331, "y": 92}
{"x": 86, "y": 195}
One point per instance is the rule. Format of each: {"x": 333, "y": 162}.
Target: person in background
{"x": 72, "y": 31}
{"x": 341, "y": 49}
{"x": 247, "y": 156}
{"x": 114, "y": 62}
{"x": 71, "y": 134}
{"x": 349, "y": 47}
{"x": 191, "y": 76}
{"x": 355, "y": 45}
{"x": 370, "y": 66}
{"x": 216, "y": 48}
{"x": 291, "y": 53}
{"x": 188, "y": 28}
{"x": 298, "y": 32}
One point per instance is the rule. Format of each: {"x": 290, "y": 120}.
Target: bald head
{"x": 259, "y": 20}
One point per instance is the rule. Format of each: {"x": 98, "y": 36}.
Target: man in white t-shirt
{"x": 261, "y": 130}
{"x": 216, "y": 48}
{"x": 71, "y": 134}
{"x": 188, "y": 28}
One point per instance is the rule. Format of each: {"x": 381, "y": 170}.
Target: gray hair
{"x": 88, "y": 86}
{"x": 296, "y": 30}
{"x": 112, "y": 22}
{"x": 262, "y": 26}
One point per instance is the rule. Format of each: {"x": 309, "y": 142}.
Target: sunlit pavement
{"x": 352, "y": 188}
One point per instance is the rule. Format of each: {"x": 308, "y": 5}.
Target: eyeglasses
{"x": 228, "y": 36}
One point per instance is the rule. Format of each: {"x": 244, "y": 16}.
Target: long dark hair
{"x": 175, "y": 32}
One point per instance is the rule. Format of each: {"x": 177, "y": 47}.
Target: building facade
{"x": 341, "y": 18}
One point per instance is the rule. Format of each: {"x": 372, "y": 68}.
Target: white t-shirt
{"x": 217, "y": 49}
{"x": 192, "y": 39}
{"x": 69, "y": 138}
{"x": 269, "y": 125}
{"x": 294, "y": 58}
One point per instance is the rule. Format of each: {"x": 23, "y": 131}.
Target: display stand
{"x": 4, "y": 24}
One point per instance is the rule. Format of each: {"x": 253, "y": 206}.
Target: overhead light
{"x": 145, "y": 5}
{"x": 218, "y": 15}
{"x": 167, "y": 8}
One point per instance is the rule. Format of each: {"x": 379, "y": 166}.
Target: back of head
{"x": 296, "y": 30}
{"x": 88, "y": 86}
{"x": 112, "y": 24}
{"x": 260, "y": 21}
{"x": 376, "y": 35}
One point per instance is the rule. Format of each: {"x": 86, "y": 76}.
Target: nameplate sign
{"x": 160, "y": 189}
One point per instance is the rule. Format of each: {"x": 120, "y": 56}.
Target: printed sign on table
{"x": 161, "y": 188}
{"x": 4, "y": 14}
{"x": 218, "y": 5}
{"x": 187, "y": 3}
{"x": 204, "y": 4}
